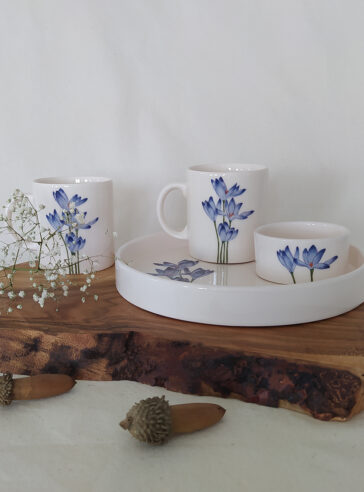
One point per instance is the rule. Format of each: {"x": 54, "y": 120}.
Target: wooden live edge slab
{"x": 315, "y": 368}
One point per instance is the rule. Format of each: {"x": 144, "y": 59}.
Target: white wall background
{"x": 140, "y": 89}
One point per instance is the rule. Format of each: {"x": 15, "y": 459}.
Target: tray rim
{"x": 264, "y": 288}
{"x": 239, "y": 306}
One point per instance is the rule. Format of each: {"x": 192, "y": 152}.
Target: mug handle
{"x": 160, "y": 210}
{"x": 9, "y": 214}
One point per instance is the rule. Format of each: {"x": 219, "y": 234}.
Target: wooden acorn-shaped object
{"x": 33, "y": 387}
{"x": 154, "y": 421}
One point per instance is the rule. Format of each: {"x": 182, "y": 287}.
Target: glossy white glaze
{"x": 233, "y": 294}
{"x": 329, "y": 257}
{"x": 98, "y": 237}
{"x": 241, "y": 191}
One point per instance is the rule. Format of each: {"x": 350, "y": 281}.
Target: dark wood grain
{"x": 316, "y": 368}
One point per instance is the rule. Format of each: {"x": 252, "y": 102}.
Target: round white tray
{"x": 227, "y": 294}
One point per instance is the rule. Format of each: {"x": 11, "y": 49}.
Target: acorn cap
{"x": 149, "y": 420}
{"x": 6, "y": 389}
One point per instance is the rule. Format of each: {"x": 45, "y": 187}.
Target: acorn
{"x": 154, "y": 421}
{"x": 33, "y": 387}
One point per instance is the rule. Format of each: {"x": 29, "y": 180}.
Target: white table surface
{"x": 74, "y": 443}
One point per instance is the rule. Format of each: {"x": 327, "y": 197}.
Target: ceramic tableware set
{"x": 224, "y": 267}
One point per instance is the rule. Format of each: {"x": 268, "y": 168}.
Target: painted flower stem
{"x": 72, "y": 263}
{"x": 77, "y": 256}
{"x": 227, "y": 210}
{"x": 227, "y": 247}
{"x": 223, "y": 258}
{"x": 293, "y": 277}
{"x": 218, "y": 243}
{"x": 311, "y": 274}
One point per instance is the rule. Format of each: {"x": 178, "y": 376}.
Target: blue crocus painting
{"x": 312, "y": 259}
{"x": 222, "y": 190}
{"x": 68, "y": 222}
{"x": 226, "y": 233}
{"x": 288, "y": 260}
{"x": 223, "y": 213}
{"x": 74, "y": 243}
{"x": 181, "y": 271}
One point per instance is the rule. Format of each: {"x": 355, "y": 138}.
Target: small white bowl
{"x": 299, "y": 252}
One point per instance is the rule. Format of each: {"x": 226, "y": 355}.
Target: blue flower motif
{"x": 63, "y": 201}
{"x": 229, "y": 210}
{"x": 55, "y": 220}
{"x": 180, "y": 266}
{"x": 180, "y": 271}
{"x": 171, "y": 273}
{"x": 199, "y": 272}
{"x": 222, "y": 190}
{"x": 211, "y": 209}
{"x": 227, "y": 233}
{"x": 77, "y": 219}
{"x": 232, "y": 211}
{"x": 287, "y": 259}
{"x": 235, "y": 191}
{"x": 71, "y": 216}
{"x": 74, "y": 243}
{"x": 73, "y": 220}
{"x": 312, "y": 259}
{"x": 175, "y": 271}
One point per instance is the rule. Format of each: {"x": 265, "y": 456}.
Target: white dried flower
{"x": 80, "y": 218}
{"x": 50, "y": 247}
{"x": 10, "y": 309}
{"x": 96, "y": 297}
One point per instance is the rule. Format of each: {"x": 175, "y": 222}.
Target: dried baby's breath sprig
{"x": 27, "y": 246}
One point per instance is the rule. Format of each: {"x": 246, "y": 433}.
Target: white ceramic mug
{"x": 300, "y": 252}
{"x": 80, "y": 209}
{"x": 224, "y": 205}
